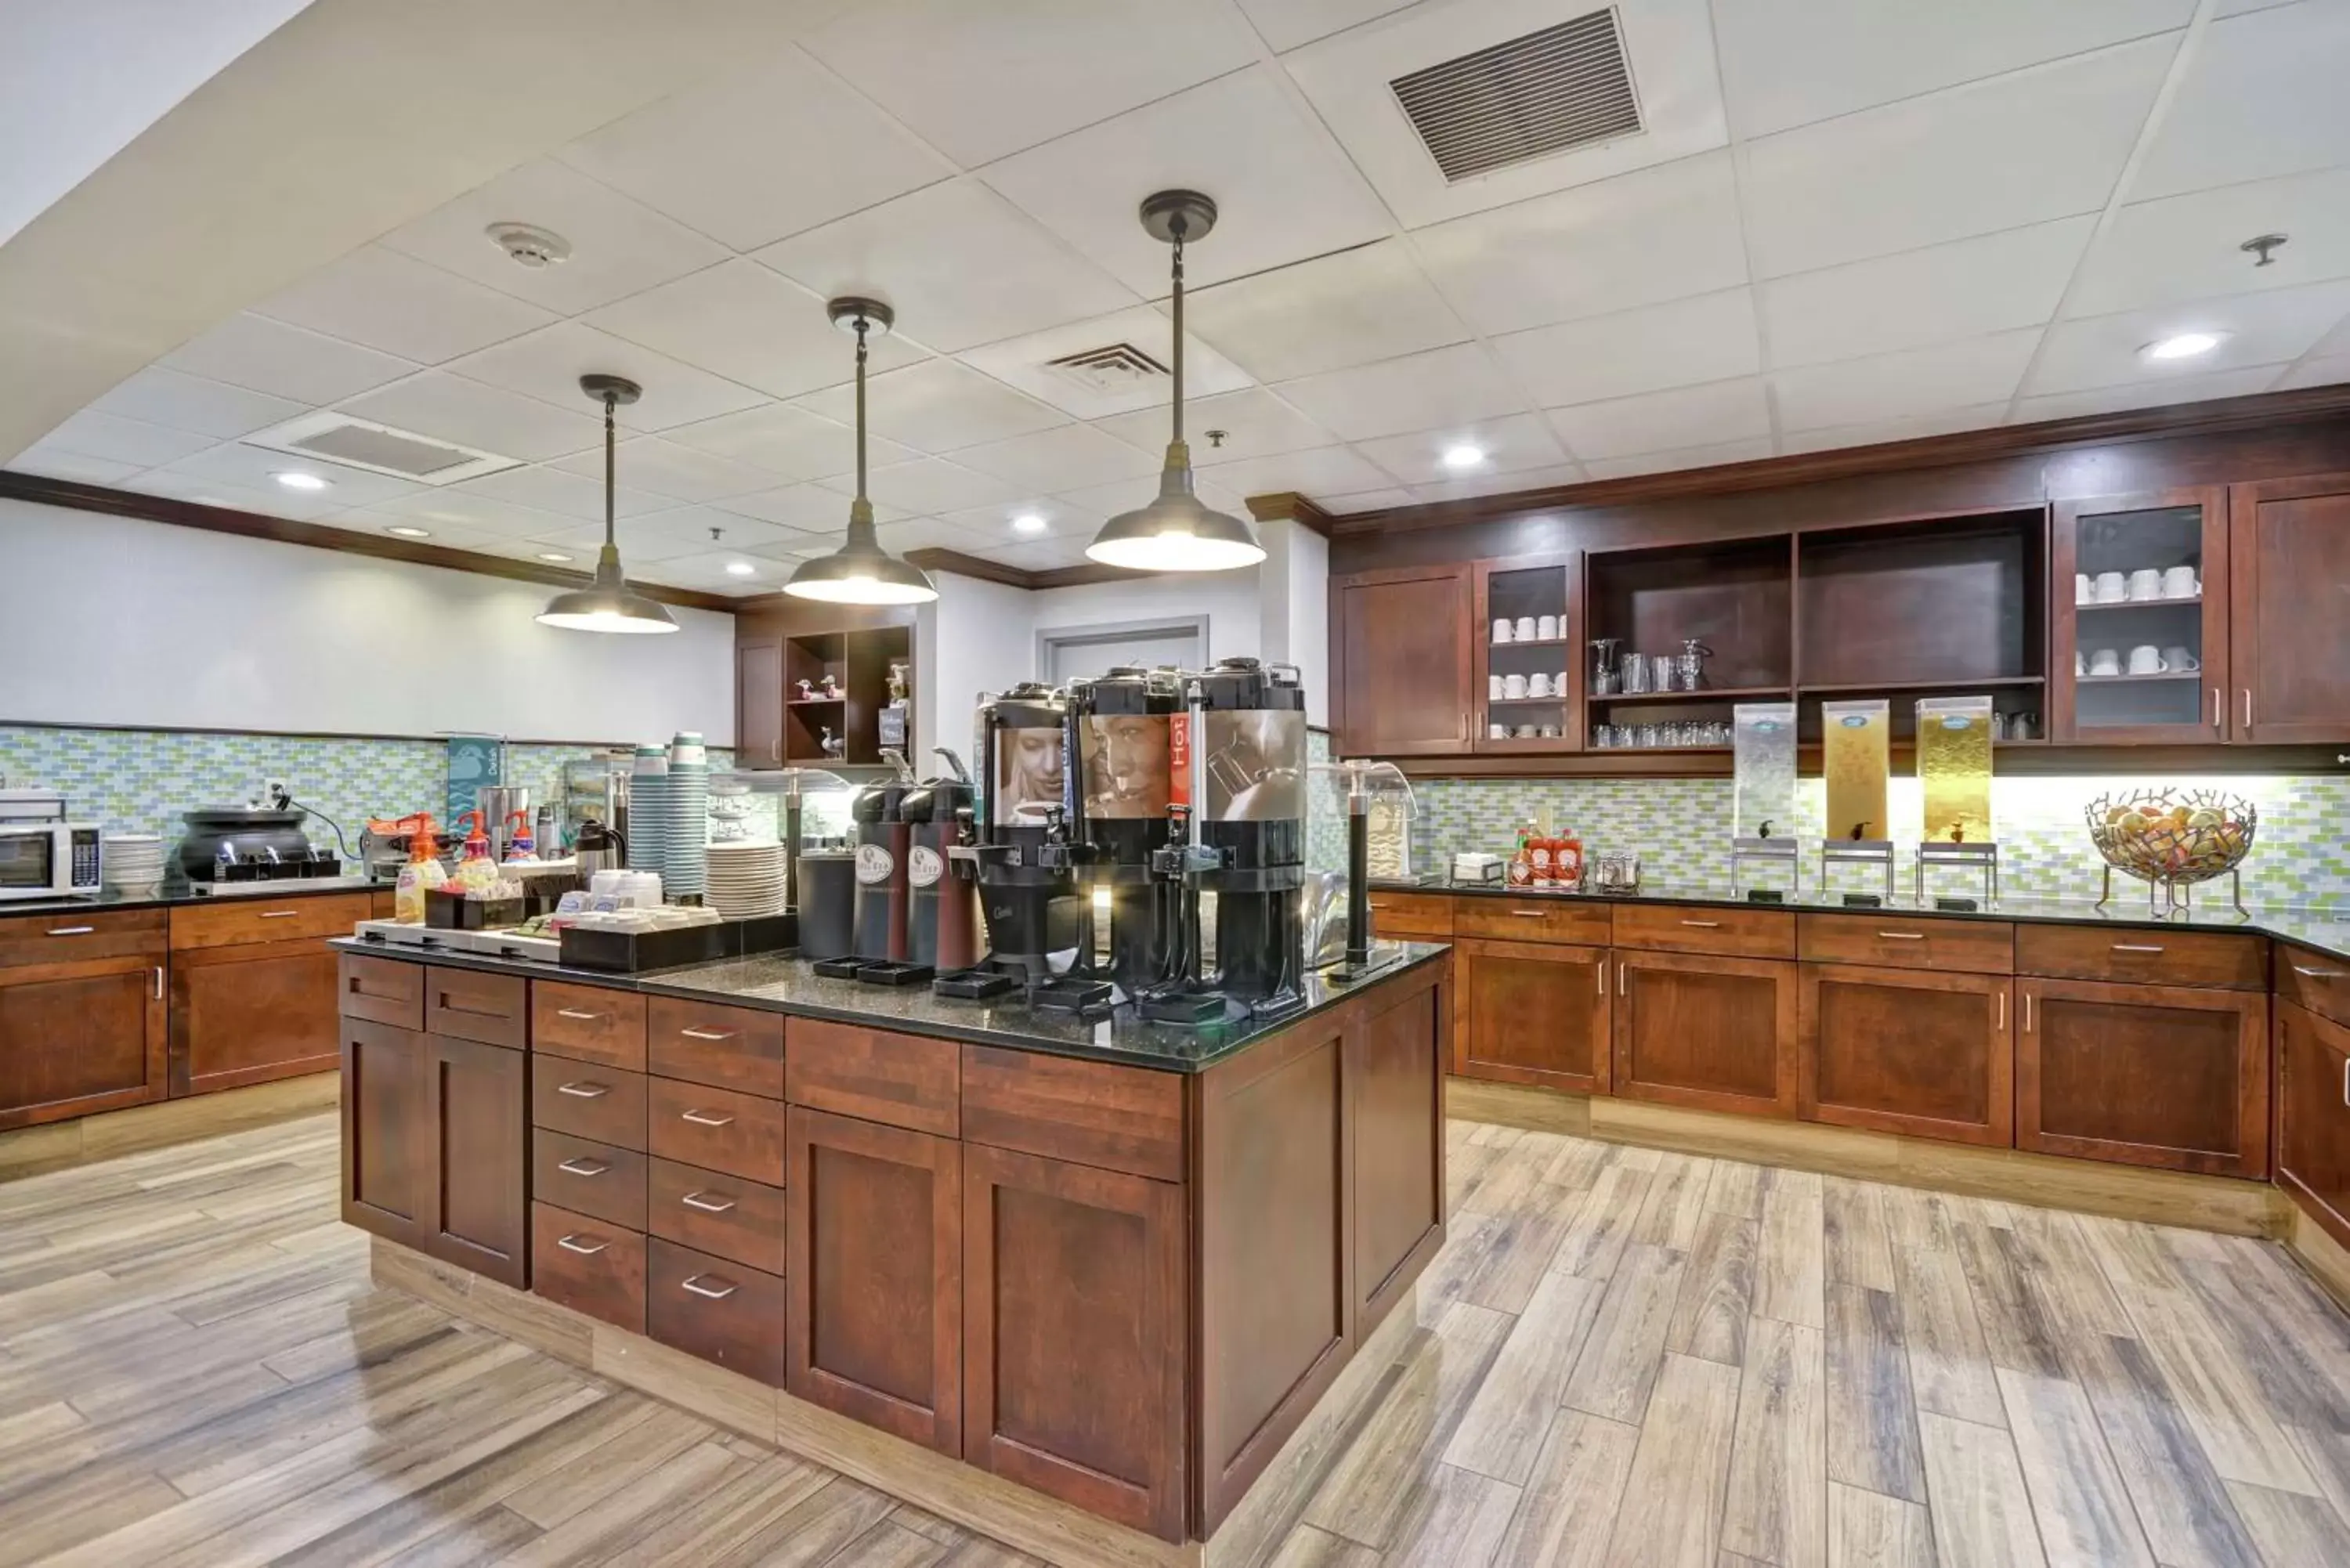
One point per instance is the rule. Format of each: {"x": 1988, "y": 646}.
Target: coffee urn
{"x": 1024, "y": 850}
{"x": 941, "y": 909}
{"x": 1135, "y": 781}
{"x": 1249, "y": 783}
{"x": 881, "y": 885}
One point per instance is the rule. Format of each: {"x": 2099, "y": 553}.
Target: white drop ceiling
{"x": 1846, "y": 221}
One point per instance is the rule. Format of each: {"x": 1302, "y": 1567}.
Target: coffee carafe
{"x": 941, "y": 909}
{"x": 1135, "y": 781}
{"x": 599, "y": 848}
{"x": 1025, "y": 843}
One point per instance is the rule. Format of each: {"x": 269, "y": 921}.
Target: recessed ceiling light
{"x": 1028, "y": 522}
{"x": 295, "y": 479}
{"x": 741, "y": 569}
{"x": 1462, "y": 456}
{"x": 2180, "y": 346}
{"x": 409, "y": 531}
{"x": 556, "y": 556}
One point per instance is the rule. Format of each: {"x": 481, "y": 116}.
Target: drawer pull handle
{"x": 2317, "y": 974}
{"x": 73, "y": 931}
{"x": 573, "y": 1244}
{"x": 1704, "y": 924}
{"x": 583, "y": 1166}
{"x": 717, "y": 1293}
{"x": 1902, "y": 935}
{"x": 279, "y": 914}
{"x": 2137, "y": 946}
{"x": 708, "y": 1034}
{"x": 584, "y": 1091}
{"x": 704, "y": 1120}
{"x": 576, "y": 1016}
{"x": 707, "y": 1205}
{"x": 1375, "y": 904}
{"x": 1530, "y": 914}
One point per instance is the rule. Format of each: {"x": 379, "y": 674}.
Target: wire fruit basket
{"x": 2172, "y": 839}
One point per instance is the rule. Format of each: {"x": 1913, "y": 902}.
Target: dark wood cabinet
{"x": 722, "y": 1311}
{"x": 875, "y": 1278}
{"x": 1917, "y": 1051}
{"x": 2313, "y": 1155}
{"x": 252, "y": 1015}
{"x": 759, "y": 702}
{"x": 387, "y": 1125}
{"x": 2112, "y": 537}
{"x": 1706, "y": 1031}
{"x": 2151, "y": 1075}
{"x": 1532, "y": 1013}
{"x": 1395, "y": 1145}
{"x": 80, "y": 1036}
{"x": 1401, "y": 662}
{"x": 1065, "y": 1265}
{"x": 2290, "y": 667}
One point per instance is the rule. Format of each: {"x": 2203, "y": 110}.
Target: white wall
{"x": 978, "y": 637}
{"x": 1295, "y": 599}
{"x": 1229, "y": 600}
{"x": 107, "y": 621}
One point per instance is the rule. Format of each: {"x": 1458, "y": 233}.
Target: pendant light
{"x": 861, "y": 571}
{"x": 1178, "y": 532}
{"x": 610, "y": 605}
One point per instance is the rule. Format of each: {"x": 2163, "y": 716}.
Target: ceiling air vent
{"x": 1565, "y": 86}
{"x": 1115, "y": 368}
{"x": 379, "y": 448}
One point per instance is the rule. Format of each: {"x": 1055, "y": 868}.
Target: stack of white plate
{"x": 747, "y": 878}
{"x": 133, "y": 862}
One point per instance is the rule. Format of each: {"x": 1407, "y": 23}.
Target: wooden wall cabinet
{"x": 2289, "y": 544}
{"x": 1706, "y": 1031}
{"x": 778, "y": 645}
{"x": 2175, "y": 1076}
{"x": 2313, "y": 1155}
{"x": 1402, "y": 662}
{"x": 1915, "y": 1051}
{"x": 759, "y": 702}
{"x": 2152, "y": 532}
{"x": 1532, "y": 1013}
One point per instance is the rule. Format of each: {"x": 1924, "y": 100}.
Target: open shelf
{"x": 1949, "y": 604}
{"x": 1891, "y": 687}
{"x": 1702, "y": 694}
{"x": 1531, "y": 642}
{"x": 1733, "y": 595}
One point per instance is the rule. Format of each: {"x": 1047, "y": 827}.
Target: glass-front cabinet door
{"x": 2138, "y": 618}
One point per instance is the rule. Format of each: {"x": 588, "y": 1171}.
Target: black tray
{"x": 447, "y": 911}
{"x": 633, "y": 952}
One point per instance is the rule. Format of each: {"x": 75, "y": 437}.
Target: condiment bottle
{"x": 422, "y": 872}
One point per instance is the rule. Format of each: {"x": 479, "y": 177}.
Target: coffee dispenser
{"x": 1134, "y": 783}
{"x": 1025, "y": 833}
{"x": 881, "y": 844}
{"x": 942, "y": 910}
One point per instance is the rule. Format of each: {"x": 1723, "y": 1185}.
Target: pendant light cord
{"x": 861, "y": 408}
{"x": 1177, "y": 229}
{"x": 611, "y": 400}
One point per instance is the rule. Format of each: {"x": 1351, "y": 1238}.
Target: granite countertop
{"x": 174, "y": 892}
{"x": 780, "y": 982}
{"x": 2326, "y": 930}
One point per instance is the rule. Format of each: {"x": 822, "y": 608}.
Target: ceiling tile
{"x": 1061, "y": 459}
{"x": 1473, "y": 485}
{"x": 1421, "y": 391}
{"x": 619, "y": 246}
{"x": 928, "y": 486}
{"x": 1060, "y": 519}
{"x": 1126, "y": 494}
{"x": 693, "y": 523}
{"x": 740, "y": 321}
{"x": 1255, "y": 423}
{"x": 378, "y": 298}
{"x": 478, "y": 514}
{"x": 960, "y": 264}
{"x": 1675, "y": 459}
{"x": 370, "y": 520}
{"x": 664, "y": 467}
{"x": 133, "y": 442}
{"x": 184, "y": 402}
{"x": 1997, "y": 155}
{"x": 786, "y": 441}
{"x": 2190, "y": 247}
{"x": 1909, "y": 427}
{"x": 809, "y": 508}
{"x": 552, "y": 490}
{"x": 1024, "y": 362}
{"x": 264, "y": 356}
{"x": 1683, "y": 417}
{"x": 979, "y": 81}
{"x": 1790, "y": 62}
{"x": 1283, "y": 191}
{"x": 931, "y": 534}
{"x": 1708, "y": 338}
{"x": 1961, "y": 289}
{"x": 56, "y": 462}
{"x": 2265, "y": 328}
{"x": 1347, "y": 77}
{"x": 1365, "y": 501}
{"x": 582, "y": 540}
{"x": 1513, "y": 442}
{"x": 210, "y": 489}
{"x": 2263, "y": 97}
{"x": 2146, "y": 394}
{"x": 547, "y": 364}
{"x": 1043, "y": 554}
{"x": 1325, "y": 471}
{"x": 233, "y": 463}
{"x": 2321, "y": 370}
{"x": 1363, "y": 305}
{"x": 1640, "y": 238}
{"x": 490, "y": 419}
{"x": 718, "y": 572}
{"x": 707, "y": 156}
{"x": 1913, "y": 382}
{"x": 810, "y": 547}
{"x": 936, "y": 406}
{"x": 1285, "y": 23}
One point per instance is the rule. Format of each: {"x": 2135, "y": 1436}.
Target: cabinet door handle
{"x": 1621, "y": 970}
{"x": 2002, "y": 1010}
{"x": 704, "y": 1119}
{"x": 73, "y": 931}
{"x": 279, "y": 914}
{"x": 718, "y": 1293}
{"x": 1704, "y": 924}
{"x": 2137, "y": 946}
{"x": 2247, "y": 712}
{"x": 582, "y": 1165}
{"x": 708, "y": 1034}
{"x": 2027, "y": 1013}
{"x": 1903, "y": 936}
{"x": 2318, "y": 974}
{"x": 584, "y": 1091}
{"x": 576, "y": 1016}
{"x": 2345, "y": 1081}
{"x": 707, "y": 1205}
{"x": 2217, "y": 719}
{"x": 1603, "y": 977}
{"x": 159, "y": 983}
{"x": 573, "y": 1244}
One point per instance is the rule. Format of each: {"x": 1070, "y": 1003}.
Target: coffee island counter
{"x": 1107, "y": 1291}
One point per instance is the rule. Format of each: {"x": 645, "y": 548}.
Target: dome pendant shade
{"x": 609, "y": 605}
{"x": 861, "y": 571}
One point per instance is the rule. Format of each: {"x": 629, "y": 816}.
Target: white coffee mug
{"x": 2145, "y": 659}
{"x": 1538, "y": 685}
{"x": 2179, "y": 661}
{"x": 1502, "y": 629}
{"x": 2146, "y": 583}
{"x": 2083, "y": 591}
{"x": 2112, "y": 588}
{"x": 2080, "y": 662}
{"x": 1546, "y": 627}
{"x": 1514, "y": 687}
{"x": 1558, "y": 683}
{"x": 1493, "y": 685}
{"x": 2105, "y": 661}
{"x": 1525, "y": 631}
{"x": 2179, "y": 583}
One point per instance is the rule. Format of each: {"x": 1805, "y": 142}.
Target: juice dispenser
{"x": 1855, "y": 757}
{"x": 1763, "y": 760}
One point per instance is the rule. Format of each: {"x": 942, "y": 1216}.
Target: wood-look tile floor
{"x": 1625, "y": 1356}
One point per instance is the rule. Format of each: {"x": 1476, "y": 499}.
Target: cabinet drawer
{"x": 258, "y": 918}
{"x": 602, "y": 1180}
{"x": 589, "y": 1023}
{"x": 1411, "y": 914}
{"x": 717, "y": 1310}
{"x": 717, "y": 1129}
{"x": 382, "y": 990}
{"x": 902, "y": 1080}
{"x": 725, "y": 1047}
{"x": 71, "y": 936}
{"x": 594, "y": 1102}
{"x": 2315, "y": 980}
{"x": 716, "y": 1213}
{"x": 2143, "y": 957}
{"x": 1553, "y": 918}
{"x": 1681, "y": 928}
{"x": 1090, "y": 1113}
{"x": 494, "y": 1009}
{"x": 588, "y": 1266}
{"x": 1968, "y": 947}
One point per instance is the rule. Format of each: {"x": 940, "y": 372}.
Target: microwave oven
{"x": 49, "y": 860}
